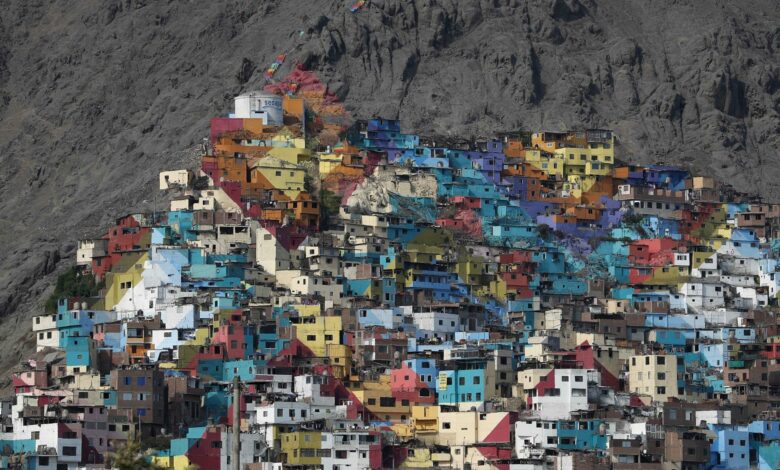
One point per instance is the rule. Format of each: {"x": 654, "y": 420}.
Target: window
{"x": 387, "y": 402}
{"x": 446, "y": 425}
{"x": 69, "y": 450}
{"x": 476, "y": 380}
{"x": 578, "y": 378}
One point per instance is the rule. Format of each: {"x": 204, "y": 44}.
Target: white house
{"x": 269, "y": 252}
{"x": 174, "y": 178}
{"x": 46, "y": 333}
{"x": 702, "y": 295}
{"x": 705, "y": 265}
{"x": 569, "y": 393}
{"x": 309, "y": 388}
{"x": 535, "y": 433}
{"x": 350, "y": 449}
{"x": 436, "y": 324}
{"x": 89, "y": 249}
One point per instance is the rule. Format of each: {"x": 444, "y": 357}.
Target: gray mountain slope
{"x": 97, "y": 96}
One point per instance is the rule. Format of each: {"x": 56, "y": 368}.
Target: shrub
{"x": 73, "y": 283}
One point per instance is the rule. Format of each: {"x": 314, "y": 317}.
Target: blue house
{"x": 462, "y": 382}
{"x": 581, "y": 435}
{"x": 731, "y": 448}
{"x": 426, "y": 370}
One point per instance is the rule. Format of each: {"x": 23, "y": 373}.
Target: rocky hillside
{"x": 96, "y": 96}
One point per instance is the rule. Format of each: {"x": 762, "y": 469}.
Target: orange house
{"x": 514, "y": 149}
{"x": 139, "y": 338}
{"x": 306, "y": 210}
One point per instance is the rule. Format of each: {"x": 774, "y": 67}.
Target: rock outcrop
{"x": 97, "y": 96}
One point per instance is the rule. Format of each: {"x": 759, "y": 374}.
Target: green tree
{"x": 130, "y": 457}
{"x": 330, "y": 203}
{"x": 201, "y": 183}
{"x": 73, "y": 283}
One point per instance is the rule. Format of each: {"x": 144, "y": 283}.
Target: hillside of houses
{"x": 376, "y": 300}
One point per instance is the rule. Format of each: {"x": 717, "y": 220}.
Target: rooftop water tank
{"x": 256, "y": 104}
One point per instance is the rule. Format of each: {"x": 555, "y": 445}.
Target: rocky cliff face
{"x": 97, "y": 96}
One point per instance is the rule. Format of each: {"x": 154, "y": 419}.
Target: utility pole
{"x": 236, "y": 449}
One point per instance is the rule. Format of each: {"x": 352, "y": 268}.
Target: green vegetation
{"x": 632, "y": 219}
{"x": 130, "y": 457}
{"x": 201, "y": 183}
{"x": 329, "y": 206}
{"x": 73, "y": 283}
{"x": 545, "y": 232}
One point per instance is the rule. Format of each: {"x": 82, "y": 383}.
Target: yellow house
{"x": 340, "y": 359}
{"x": 579, "y": 156}
{"x": 301, "y": 448}
{"x": 124, "y": 276}
{"x": 667, "y": 275}
{"x": 418, "y": 457}
{"x": 552, "y": 164}
{"x": 573, "y": 185}
{"x": 425, "y": 421}
{"x": 595, "y": 159}
{"x": 653, "y": 376}
{"x": 377, "y": 398}
{"x": 498, "y": 289}
{"x": 715, "y": 225}
{"x": 404, "y": 431}
{"x": 304, "y": 310}
{"x": 470, "y": 268}
{"x": 329, "y": 162}
{"x": 282, "y": 175}
{"x": 175, "y": 462}
{"x": 293, "y": 155}
{"x": 597, "y": 169}
{"x": 317, "y": 333}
